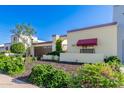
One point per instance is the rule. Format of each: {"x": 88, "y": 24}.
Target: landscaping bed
{"x": 48, "y": 74}
{"x": 71, "y": 68}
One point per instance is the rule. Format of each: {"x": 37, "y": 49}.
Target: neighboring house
{"x": 1, "y": 47}
{"x": 7, "y": 46}
{"x": 39, "y": 49}
{"x": 24, "y": 39}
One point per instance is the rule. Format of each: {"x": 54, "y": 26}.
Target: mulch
{"x": 68, "y": 67}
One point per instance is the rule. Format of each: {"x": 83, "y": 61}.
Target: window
{"x": 87, "y": 50}
{"x": 15, "y": 39}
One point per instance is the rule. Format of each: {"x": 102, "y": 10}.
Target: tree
{"x": 18, "y": 30}
{"x": 59, "y": 45}
{"x": 29, "y": 32}
{"x": 26, "y": 30}
{"x": 18, "y": 48}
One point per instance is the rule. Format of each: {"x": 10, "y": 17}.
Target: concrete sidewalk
{"x": 9, "y": 82}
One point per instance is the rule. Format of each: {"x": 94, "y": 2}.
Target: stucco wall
{"x": 81, "y": 58}
{"x": 2, "y": 49}
{"x": 107, "y": 39}
{"x": 64, "y": 43}
{"x": 50, "y": 57}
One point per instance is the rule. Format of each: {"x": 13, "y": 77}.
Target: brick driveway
{"x": 9, "y": 82}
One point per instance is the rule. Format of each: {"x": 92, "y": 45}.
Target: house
{"x": 1, "y": 47}
{"x": 89, "y": 44}
{"x": 92, "y": 44}
{"x": 42, "y": 48}
{"x": 24, "y": 39}
{"x": 15, "y": 39}
{"x": 7, "y": 46}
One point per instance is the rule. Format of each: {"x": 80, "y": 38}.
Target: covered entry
{"x": 39, "y": 49}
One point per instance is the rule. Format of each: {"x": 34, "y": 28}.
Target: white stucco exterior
{"x": 82, "y": 58}
{"x": 106, "y": 39}
{"x": 64, "y": 43}
{"x": 24, "y": 39}
{"x": 1, "y": 47}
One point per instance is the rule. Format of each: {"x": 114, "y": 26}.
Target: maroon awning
{"x": 87, "y": 42}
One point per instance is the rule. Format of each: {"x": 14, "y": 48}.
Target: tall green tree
{"x": 59, "y": 45}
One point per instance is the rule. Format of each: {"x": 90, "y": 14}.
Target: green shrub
{"x": 47, "y": 76}
{"x": 114, "y": 65}
{"x": 18, "y": 48}
{"x": 15, "y": 66}
{"x": 59, "y": 79}
{"x": 11, "y": 65}
{"x": 3, "y": 60}
{"x": 111, "y": 59}
{"x": 5, "y": 51}
{"x": 75, "y": 81}
{"x": 56, "y": 53}
{"x": 99, "y": 75}
{"x": 59, "y": 44}
{"x": 34, "y": 58}
{"x": 114, "y": 62}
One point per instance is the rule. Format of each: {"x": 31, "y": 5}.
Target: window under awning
{"x": 87, "y": 42}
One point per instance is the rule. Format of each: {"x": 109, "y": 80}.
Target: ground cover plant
{"x": 11, "y": 65}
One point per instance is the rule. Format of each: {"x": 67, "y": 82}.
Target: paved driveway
{"x": 9, "y": 82}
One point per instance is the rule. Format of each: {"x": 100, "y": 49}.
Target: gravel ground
{"x": 71, "y": 68}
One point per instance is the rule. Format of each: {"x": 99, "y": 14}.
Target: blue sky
{"x": 49, "y": 20}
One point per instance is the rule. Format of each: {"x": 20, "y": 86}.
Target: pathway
{"x": 9, "y": 82}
